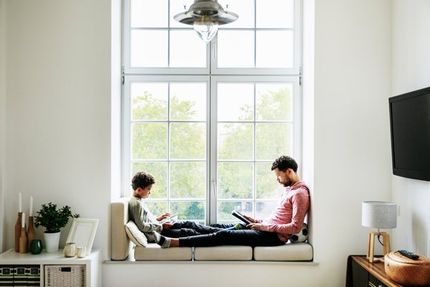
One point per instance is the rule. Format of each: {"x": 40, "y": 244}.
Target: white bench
{"x": 123, "y": 249}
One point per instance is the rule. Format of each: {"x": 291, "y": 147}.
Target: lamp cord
{"x": 379, "y": 239}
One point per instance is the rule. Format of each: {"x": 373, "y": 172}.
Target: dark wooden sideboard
{"x": 362, "y": 273}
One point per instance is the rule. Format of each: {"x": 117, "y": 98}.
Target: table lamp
{"x": 379, "y": 215}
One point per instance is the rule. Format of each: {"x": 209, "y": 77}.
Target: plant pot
{"x": 52, "y": 241}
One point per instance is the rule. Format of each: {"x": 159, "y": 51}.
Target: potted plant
{"x": 53, "y": 220}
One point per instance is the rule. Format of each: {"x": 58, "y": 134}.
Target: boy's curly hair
{"x": 142, "y": 180}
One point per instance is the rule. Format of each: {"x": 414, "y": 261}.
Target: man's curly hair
{"x": 285, "y": 162}
{"x": 142, "y": 180}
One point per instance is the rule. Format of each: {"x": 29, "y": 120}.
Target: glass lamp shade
{"x": 206, "y": 16}
{"x": 205, "y": 28}
{"x": 379, "y": 214}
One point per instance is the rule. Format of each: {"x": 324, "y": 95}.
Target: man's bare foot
{"x": 174, "y": 242}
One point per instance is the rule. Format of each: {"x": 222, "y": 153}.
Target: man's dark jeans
{"x": 247, "y": 237}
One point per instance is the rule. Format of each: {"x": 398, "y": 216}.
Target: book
{"x": 240, "y": 216}
{"x": 172, "y": 218}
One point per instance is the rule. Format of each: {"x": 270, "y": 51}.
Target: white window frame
{"x": 212, "y": 75}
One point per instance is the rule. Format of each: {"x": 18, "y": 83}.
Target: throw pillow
{"x": 302, "y": 236}
{"x": 135, "y": 235}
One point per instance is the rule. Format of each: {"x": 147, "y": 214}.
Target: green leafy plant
{"x": 53, "y": 219}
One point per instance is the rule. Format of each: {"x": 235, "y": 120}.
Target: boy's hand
{"x": 167, "y": 225}
{"x": 163, "y": 216}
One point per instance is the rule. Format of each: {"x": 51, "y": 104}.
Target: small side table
{"x": 361, "y": 273}
{"x": 47, "y": 269}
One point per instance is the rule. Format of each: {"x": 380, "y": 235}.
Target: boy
{"x": 149, "y": 224}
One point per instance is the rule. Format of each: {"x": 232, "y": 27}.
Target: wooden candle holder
{"x": 23, "y": 242}
{"x": 18, "y": 231}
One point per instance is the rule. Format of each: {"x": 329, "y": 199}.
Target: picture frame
{"x": 83, "y": 232}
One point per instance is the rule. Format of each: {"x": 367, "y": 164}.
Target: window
{"x": 208, "y": 120}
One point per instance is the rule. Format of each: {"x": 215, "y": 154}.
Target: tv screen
{"x": 410, "y": 134}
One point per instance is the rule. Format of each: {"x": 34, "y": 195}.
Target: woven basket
{"x": 406, "y": 271}
{"x": 64, "y": 276}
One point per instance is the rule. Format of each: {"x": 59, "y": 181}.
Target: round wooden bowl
{"x": 406, "y": 271}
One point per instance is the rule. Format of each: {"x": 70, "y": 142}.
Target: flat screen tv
{"x": 410, "y": 134}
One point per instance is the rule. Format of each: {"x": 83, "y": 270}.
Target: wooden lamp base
{"x": 371, "y": 245}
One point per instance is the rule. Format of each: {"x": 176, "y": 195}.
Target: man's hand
{"x": 163, "y": 216}
{"x": 167, "y": 225}
{"x": 250, "y": 218}
{"x": 255, "y": 226}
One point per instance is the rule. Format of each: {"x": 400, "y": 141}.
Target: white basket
{"x": 64, "y": 275}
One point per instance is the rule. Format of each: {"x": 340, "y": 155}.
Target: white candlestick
{"x": 23, "y": 220}
{"x": 31, "y": 206}
{"x": 20, "y": 202}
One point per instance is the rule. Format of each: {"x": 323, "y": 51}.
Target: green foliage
{"x": 148, "y": 107}
{"x": 53, "y": 219}
{"x": 187, "y": 180}
{"x": 275, "y": 105}
{"x": 149, "y": 141}
{"x": 187, "y": 140}
{"x": 193, "y": 210}
{"x": 235, "y": 141}
{"x": 234, "y": 180}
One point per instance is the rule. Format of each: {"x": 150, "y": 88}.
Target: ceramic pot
{"x": 52, "y": 241}
{"x": 70, "y": 249}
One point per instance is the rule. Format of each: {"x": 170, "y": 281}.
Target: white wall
{"x": 58, "y": 108}
{"x": 411, "y": 71}
{"x": 2, "y": 114}
{"x": 58, "y": 130}
{"x": 352, "y": 81}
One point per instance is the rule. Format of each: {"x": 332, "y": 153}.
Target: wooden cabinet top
{"x": 376, "y": 269}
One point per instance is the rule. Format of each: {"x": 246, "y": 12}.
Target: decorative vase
{"x": 31, "y": 233}
{"x": 36, "y": 246}
{"x": 18, "y": 231}
{"x": 52, "y": 241}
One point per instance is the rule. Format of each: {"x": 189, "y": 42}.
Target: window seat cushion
{"x": 223, "y": 253}
{"x": 287, "y": 252}
{"x": 153, "y": 252}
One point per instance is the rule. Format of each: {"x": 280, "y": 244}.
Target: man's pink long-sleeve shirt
{"x": 290, "y": 214}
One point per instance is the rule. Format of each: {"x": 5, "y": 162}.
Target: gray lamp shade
{"x": 379, "y": 214}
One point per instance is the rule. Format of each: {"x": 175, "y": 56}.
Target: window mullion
{"x": 168, "y": 149}
{"x": 254, "y": 184}
{"x": 213, "y": 184}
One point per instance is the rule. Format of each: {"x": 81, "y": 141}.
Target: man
{"x": 286, "y": 220}
{"x": 149, "y": 224}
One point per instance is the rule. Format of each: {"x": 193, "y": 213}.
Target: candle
{"x": 20, "y": 202}
{"x": 23, "y": 220}
{"x": 31, "y": 206}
